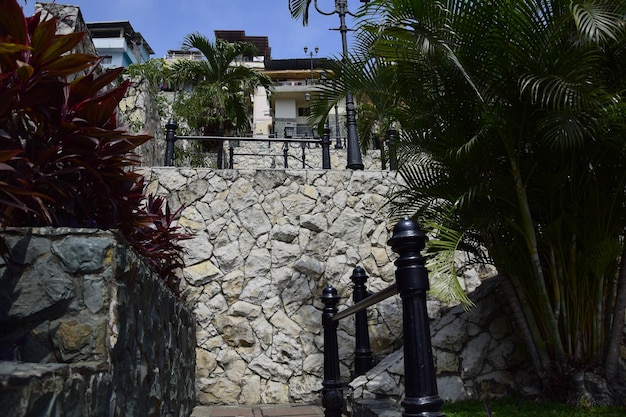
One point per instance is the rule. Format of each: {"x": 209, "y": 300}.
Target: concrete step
{"x": 265, "y": 410}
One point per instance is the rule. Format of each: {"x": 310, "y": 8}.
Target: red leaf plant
{"x": 63, "y": 159}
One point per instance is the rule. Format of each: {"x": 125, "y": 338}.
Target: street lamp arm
{"x": 326, "y": 13}
{"x": 341, "y": 7}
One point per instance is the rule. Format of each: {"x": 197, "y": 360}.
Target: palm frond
{"x": 441, "y": 263}
{"x": 299, "y": 9}
{"x": 598, "y": 21}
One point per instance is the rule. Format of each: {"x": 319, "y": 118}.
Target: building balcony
{"x": 296, "y": 86}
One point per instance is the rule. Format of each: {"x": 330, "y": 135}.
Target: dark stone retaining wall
{"x": 87, "y": 330}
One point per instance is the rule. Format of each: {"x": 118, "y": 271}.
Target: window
{"x": 304, "y": 111}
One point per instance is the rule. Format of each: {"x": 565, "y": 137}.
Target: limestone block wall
{"x": 267, "y": 242}
{"x": 87, "y": 330}
{"x": 139, "y": 114}
{"x": 70, "y": 20}
{"x": 477, "y": 354}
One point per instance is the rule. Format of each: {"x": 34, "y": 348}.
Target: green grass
{"x": 518, "y": 408}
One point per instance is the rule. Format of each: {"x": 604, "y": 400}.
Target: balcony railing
{"x": 324, "y": 141}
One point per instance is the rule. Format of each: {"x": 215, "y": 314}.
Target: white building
{"x": 295, "y": 82}
{"x": 283, "y": 111}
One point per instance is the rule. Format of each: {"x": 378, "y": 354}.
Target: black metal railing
{"x": 421, "y": 398}
{"x": 324, "y": 141}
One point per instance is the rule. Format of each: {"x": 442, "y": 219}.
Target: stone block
{"x": 451, "y": 388}
{"x": 82, "y": 254}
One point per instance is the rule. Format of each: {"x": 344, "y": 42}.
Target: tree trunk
{"x": 517, "y": 309}
{"x": 611, "y": 361}
{"x": 528, "y": 227}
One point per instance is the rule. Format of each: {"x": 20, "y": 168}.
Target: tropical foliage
{"x": 219, "y": 96}
{"x": 369, "y": 82}
{"x": 63, "y": 159}
{"x": 512, "y": 150}
{"x": 157, "y": 74}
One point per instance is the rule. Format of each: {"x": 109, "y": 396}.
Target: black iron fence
{"x": 324, "y": 141}
{"x": 421, "y": 397}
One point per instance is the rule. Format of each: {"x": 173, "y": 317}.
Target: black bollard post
{"x": 220, "y": 156}
{"x": 326, "y": 147}
{"x": 421, "y": 398}
{"x": 383, "y": 156}
{"x": 332, "y": 394}
{"x": 338, "y": 144}
{"x": 286, "y": 154}
{"x": 391, "y": 146}
{"x": 354, "y": 147}
{"x": 362, "y": 351}
{"x": 170, "y": 139}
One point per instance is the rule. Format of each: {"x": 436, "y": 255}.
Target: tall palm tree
{"x": 220, "y": 92}
{"x": 513, "y": 142}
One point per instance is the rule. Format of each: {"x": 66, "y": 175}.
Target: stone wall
{"x": 477, "y": 354}
{"x": 70, "y": 20}
{"x": 267, "y": 242}
{"x": 87, "y": 330}
{"x": 139, "y": 113}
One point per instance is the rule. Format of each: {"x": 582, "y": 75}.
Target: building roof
{"x": 117, "y": 29}
{"x": 260, "y": 42}
{"x": 296, "y": 64}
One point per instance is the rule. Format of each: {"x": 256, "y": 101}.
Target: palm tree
{"x": 219, "y": 97}
{"x": 513, "y": 150}
{"x": 373, "y": 82}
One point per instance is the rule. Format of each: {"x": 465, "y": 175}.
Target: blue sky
{"x": 164, "y": 23}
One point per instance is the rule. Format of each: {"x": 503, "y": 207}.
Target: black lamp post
{"x": 354, "y": 150}
{"x": 311, "y": 55}
{"x": 307, "y": 95}
{"x": 338, "y": 144}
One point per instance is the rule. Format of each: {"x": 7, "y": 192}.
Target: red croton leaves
{"x": 63, "y": 159}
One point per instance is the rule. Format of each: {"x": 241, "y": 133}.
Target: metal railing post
{"x": 170, "y": 139}
{"x": 338, "y": 144}
{"x": 383, "y": 156}
{"x": 421, "y": 397}
{"x": 391, "y": 146}
{"x": 362, "y": 351}
{"x": 220, "y": 156}
{"x": 231, "y": 156}
{"x": 332, "y": 394}
{"x": 286, "y": 154}
{"x": 326, "y": 147}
